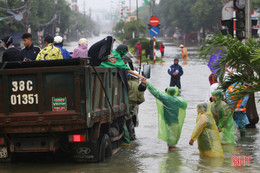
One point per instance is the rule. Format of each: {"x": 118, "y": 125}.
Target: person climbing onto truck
{"x": 50, "y": 52}
{"x": 115, "y": 60}
{"x": 171, "y": 114}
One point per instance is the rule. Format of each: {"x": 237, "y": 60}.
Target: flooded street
{"x": 149, "y": 154}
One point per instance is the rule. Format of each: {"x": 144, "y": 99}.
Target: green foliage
{"x": 205, "y": 12}
{"x": 189, "y": 15}
{"x": 126, "y": 30}
{"x": 245, "y": 58}
{"x": 41, "y": 15}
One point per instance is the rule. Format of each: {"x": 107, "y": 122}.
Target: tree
{"x": 189, "y": 15}
{"x": 41, "y": 15}
{"x": 246, "y": 59}
{"x": 206, "y": 14}
{"x": 126, "y": 30}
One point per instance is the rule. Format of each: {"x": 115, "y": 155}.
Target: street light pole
{"x": 26, "y": 16}
{"x": 56, "y": 17}
{"x": 248, "y": 20}
{"x": 136, "y": 19}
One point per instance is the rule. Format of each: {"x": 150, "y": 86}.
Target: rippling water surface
{"x": 148, "y": 153}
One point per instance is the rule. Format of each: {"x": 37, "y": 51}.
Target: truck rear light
{"x": 2, "y": 141}
{"x": 78, "y": 138}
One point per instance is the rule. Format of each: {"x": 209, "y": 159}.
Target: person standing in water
{"x": 184, "y": 54}
{"x": 175, "y": 72}
{"x": 171, "y": 114}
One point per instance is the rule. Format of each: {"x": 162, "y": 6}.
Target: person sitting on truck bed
{"x": 11, "y": 53}
{"x": 50, "y": 52}
{"x": 29, "y": 52}
{"x": 115, "y": 60}
{"x": 58, "y": 42}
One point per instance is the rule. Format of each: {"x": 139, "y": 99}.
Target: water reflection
{"x": 171, "y": 161}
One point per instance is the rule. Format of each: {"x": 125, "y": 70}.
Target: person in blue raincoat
{"x": 175, "y": 72}
{"x": 171, "y": 114}
{"x": 58, "y": 42}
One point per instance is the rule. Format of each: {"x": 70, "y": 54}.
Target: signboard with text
{"x": 59, "y": 104}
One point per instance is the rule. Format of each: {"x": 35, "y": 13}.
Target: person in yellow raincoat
{"x": 171, "y": 114}
{"x": 206, "y": 132}
{"x": 223, "y": 118}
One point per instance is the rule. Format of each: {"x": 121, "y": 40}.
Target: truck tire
{"x": 9, "y": 159}
{"x": 105, "y": 149}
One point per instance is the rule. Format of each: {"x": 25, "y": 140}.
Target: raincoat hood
{"x": 213, "y": 78}
{"x": 172, "y": 91}
{"x": 83, "y": 46}
{"x": 205, "y": 107}
{"x": 217, "y": 95}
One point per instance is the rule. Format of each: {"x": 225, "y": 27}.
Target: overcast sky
{"x": 107, "y": 4}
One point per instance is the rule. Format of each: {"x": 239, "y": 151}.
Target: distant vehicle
{"x": 96, "y": 33}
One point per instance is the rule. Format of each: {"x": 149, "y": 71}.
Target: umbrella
{"x": 213, "y": 63}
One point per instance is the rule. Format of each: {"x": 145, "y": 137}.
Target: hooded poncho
{"x": 223, "y": 117}
{"x": 207, "y": 133}
{"x": 171, "y": 114}
{"x": 119, "y": 61}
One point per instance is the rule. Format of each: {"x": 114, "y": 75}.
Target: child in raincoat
{"x": 206, "y": 132}
{"x": 223, "y": 117}
{"x": 171, "y": 114}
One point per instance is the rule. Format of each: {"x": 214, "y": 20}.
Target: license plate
{"x": 3, "y": 152}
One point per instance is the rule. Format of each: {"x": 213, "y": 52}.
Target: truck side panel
{"x": 116, "y": 93}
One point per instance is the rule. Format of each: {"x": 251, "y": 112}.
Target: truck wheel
{"x": 9, "y": 159}
{"x": 105, "y": 149}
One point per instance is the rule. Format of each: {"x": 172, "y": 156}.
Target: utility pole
{"x": 248, "y": 19}
{"x": 26, "y": 16}
{"x": 151, "y": 45}
{"x": 136, "y": 35}
{"x": 129, "y": 7}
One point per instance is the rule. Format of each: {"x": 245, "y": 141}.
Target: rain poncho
{"x": 119, "y": 62}
{"x": 207, "y": 133}
{"x": 135, "y": 96}
{"x": 240, "y": 117}
{"x": 223, "y": 117}
{"x": 171, "y": 114}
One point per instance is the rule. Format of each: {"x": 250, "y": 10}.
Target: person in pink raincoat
{"x": 82, "y": 50}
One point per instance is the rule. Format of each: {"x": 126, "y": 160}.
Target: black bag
{"x": 99, "y": 51}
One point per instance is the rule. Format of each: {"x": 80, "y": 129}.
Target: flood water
{"x": 149, "y": 154}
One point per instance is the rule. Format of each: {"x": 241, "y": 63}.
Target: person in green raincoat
{"x": 223, "y": 117}
{"x": 115, "y": 60}
{"x": 206, "y": 132}
{"x": 171, "y": 114}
